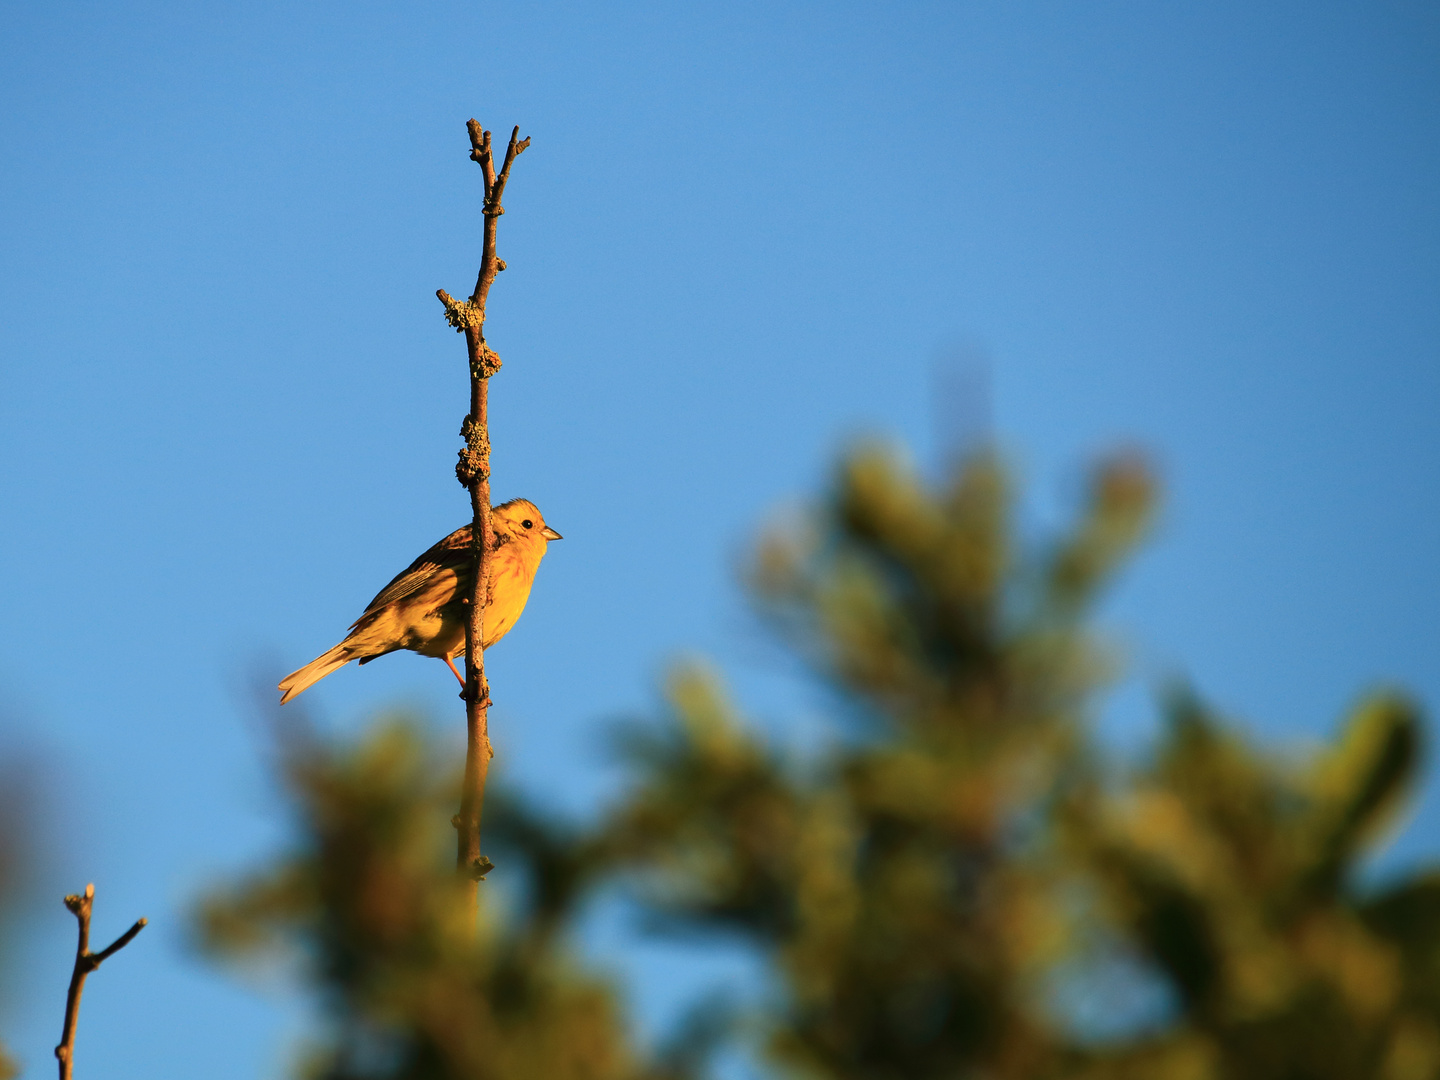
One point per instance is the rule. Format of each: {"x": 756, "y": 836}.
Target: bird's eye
{"x": 527, "y": 523}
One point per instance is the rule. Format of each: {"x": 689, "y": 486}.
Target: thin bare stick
{"x": 473, "y": 471}
{"x": 85, "y": 963}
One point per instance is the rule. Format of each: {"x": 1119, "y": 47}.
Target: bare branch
{"x": 473, "y": 471}
{"x": 119, "y": 943}
{"x": 85, "y": 962}
{"x": 479, "y": 142}
{"x": 514, "y": 150}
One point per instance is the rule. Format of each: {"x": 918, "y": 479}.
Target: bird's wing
{"x": 452, "y": 553}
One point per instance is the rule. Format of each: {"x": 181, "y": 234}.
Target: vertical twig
{"x": 473, "y": 471}
{"x": 85, "y": 963}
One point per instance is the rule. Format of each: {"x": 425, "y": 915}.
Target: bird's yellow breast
{"x": 512, "y": 571}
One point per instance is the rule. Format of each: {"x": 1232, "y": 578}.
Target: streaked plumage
{"x": 423, "y": 608}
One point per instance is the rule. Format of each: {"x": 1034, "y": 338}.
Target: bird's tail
{"x": 314, "y": 671}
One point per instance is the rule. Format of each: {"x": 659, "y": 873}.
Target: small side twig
{"x": 85, "y": 962}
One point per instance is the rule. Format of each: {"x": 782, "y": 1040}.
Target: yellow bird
{"x": 423, "y": 609}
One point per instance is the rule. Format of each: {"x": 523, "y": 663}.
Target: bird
{"x": 423, "y": 608}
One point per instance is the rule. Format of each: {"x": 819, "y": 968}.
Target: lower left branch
{"x": 85, "y": 962}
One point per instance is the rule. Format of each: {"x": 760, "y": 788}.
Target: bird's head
{"x": 520, "y": 520}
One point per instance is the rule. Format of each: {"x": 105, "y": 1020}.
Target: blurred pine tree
{"x": 18, "y": 848}
{"x": 947, "y": 890}
{"x": 370, "y": 908}
{"x": 963, "y": 848}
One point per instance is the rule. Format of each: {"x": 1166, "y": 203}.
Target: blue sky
{"x": 743, "y": 236}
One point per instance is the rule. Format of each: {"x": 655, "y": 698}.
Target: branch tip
{"x": 85, "y": 962}
{"x": 479, "y": 141}
{"x": 119, "y": 943}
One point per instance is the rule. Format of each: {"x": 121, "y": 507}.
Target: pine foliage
{"x": 961, "y": 883}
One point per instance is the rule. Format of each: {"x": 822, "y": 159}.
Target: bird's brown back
{"x": 451, "y": 553}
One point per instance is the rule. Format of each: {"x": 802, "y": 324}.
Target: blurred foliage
{"x": 367, "y": 906}
{"x": 17, "y": 859}
{"x": 951, "y": 887}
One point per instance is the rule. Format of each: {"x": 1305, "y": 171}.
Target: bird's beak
{"x": 550, "y": 534}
